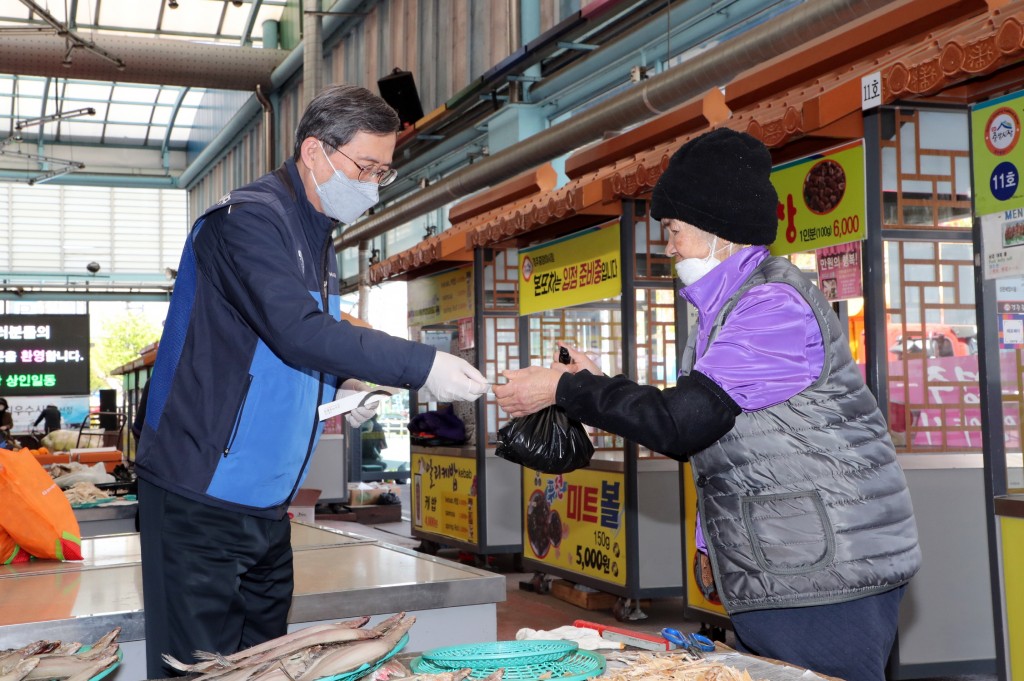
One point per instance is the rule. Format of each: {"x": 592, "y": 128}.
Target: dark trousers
{"x": 850, "y": 641}
{"x": 213, "y": 580}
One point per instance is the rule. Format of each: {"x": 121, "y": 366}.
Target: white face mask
{"x": 342, "y": 197}
{"x": 690, "y": 270}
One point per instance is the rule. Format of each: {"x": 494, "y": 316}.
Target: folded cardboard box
{"x": 303, "y": 506}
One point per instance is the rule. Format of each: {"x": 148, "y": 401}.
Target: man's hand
{"x": 452, "y": 378}
{"x": 363, "y": 413}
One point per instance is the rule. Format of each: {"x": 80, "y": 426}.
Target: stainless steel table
{"x": 337, "y": 575}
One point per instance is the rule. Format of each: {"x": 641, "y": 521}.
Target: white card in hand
{"x": 350, "y": 399}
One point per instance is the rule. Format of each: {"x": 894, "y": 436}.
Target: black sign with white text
{"x": 44, "y": 354}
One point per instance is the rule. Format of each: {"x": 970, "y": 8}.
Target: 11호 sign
{"x": 576, "y": 269}
{"x": 44, "y": 355}
{"x": 996, "y": 155}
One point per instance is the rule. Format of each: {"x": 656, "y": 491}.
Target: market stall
{"x": 613, "y": 526}
{"x": 462, "y": 299}
{"x": 337, "y": 575}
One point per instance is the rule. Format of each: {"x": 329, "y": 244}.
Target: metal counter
{"x": 337, "y": 575}
{"x": 112, "y": 518}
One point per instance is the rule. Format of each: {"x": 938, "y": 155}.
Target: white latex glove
{"x": 364, "y": 413}
{"x": 452, "y": 378}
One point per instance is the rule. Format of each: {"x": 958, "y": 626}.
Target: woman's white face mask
{"x": 690, "y": 270}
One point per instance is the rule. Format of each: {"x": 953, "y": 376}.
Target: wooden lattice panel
{"x": 501, "y": 289}
{"x": 932, "y": 184}
{"x": 500, "y": 352}
{"x": 651, "y": 262}
{"x": 933, "y": 362}
{"x": 656, "y": 354}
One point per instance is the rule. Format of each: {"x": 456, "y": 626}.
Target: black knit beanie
{"x": 720, "y": 183}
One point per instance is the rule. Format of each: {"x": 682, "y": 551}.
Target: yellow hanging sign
{"x": 444, "y": 496}
{"x": 569, "y": 271}
{"x": 442, "y": 297}
{"x": 576, "y": 521}
{"x": 821, "y": 200}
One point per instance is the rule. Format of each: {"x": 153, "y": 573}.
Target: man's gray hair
{"x": 340, "y": 111}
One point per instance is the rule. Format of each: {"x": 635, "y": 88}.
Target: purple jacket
{"x": 770, "y": 349}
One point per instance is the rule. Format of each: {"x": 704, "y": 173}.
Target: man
{"x": 252, "y": 345}
{"x": 50, "y": 415}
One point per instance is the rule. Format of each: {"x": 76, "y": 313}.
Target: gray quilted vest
{"x": 804, "y": 503}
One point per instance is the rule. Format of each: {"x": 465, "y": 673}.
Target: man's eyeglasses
{"x": 382, "y": 176}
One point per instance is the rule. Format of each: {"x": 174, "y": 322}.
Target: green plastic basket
{"x": 578, "y": 665}
{"x": 499, "y": 654}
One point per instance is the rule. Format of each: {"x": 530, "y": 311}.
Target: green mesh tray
{"x": 575, "y": 666}
{"x": 369, "y": 667}
{"x": 499, "y": 654}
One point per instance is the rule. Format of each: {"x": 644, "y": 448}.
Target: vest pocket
{"x": 789, "y": 533}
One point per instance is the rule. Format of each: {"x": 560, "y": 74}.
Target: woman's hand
{"x": 579, "y": 361}
{"x": 528, "y": 390}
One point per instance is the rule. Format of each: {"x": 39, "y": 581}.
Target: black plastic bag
{"x": 547, "y": 441}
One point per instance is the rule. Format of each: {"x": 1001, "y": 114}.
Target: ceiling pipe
{"x": 657, "y": 95}
{"x": 268, "y": 129}
{"x": 313, "y": 53}
{"x": 158, "y": 61}
{"x": 92, "y": 180}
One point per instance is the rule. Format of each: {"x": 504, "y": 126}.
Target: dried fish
{"x": 347, "y": 630}
{"x": 674, "y": 667}
{"x": 20, "y": 670}
{"x": 45, "y": 660}
{"x": 350, "y": 658}
{"x": 312, "y": 653}
{"x": 453, "y": 675}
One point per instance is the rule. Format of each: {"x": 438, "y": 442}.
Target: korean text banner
{"x": 576, "y": 522}
{"x": 821, "y": 200}
{"x": 996, "y": 155}
{"x": 444, "y": 496}
{"x": 44, "y": 355}
{"x": 442, "y": 297}
{"x": 576, "y": 269}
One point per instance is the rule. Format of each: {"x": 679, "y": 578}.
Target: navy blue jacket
{"x": 252, "y": 345}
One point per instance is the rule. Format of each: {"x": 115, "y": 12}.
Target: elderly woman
{"x": 804, "y": 510}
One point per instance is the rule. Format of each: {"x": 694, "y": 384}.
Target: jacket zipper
{"x": 320, "y": 388}
{"x": 238, "y": 417}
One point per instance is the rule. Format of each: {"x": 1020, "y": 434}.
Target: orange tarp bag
{"x": 34, "y": 511}
{"x": 10, "y": 552}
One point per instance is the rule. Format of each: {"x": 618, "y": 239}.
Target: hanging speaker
{"x": 399, "y": 90}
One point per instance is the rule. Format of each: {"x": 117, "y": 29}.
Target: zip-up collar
{"x": 709, "y": 293}
{"x": 320, "y": 225}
